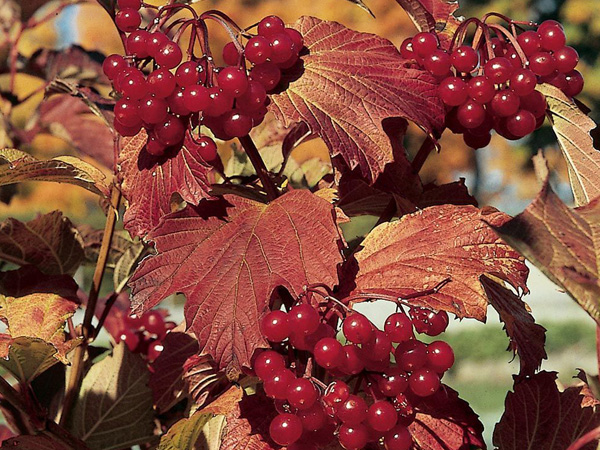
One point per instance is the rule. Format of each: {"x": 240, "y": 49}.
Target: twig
{"x": 86, "y": 329}
{"x": 107, "y": 307}
{"x": 592, "y": 435}
{"x": 260, "y": 167}
{"x": 422, "y": 154}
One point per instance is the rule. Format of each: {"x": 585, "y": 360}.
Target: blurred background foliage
{"x": 500, "y": 174}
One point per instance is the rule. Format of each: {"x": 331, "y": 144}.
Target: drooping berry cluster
{"x": 145, "y": 334}
{"x": 389, "y": 370}
{"x": 179, "y": 95}
{"x": 490, "y": 85}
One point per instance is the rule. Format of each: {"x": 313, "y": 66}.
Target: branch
{"x": 422, "y": 154}
{"x": 259, "y": 166}
{"x": 76, "y": 374}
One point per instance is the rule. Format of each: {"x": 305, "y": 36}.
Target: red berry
{"x": 440, "y": 356}
{"x": 313, "y": 418}
{"x": 137, "y": 44}
{"x": 406, "y": 49}
{"x": 126, "y": 131}
{"x": 379, "y": 347}
{"x": 498, "y": 69}
{"x": 296, "y": 38}
{"x": 574, "y": 83}
{"x": 353, "y": 437}
{"x": 505, "y": 103}
{"x": 233, "y": 81}
{"x": 131, "y": 338}
{"x": 382, "y": 416}
{"x": 219, "y": 103}
{"x": 126, "y": 112}
{"x": 133, "y": 4}
{"x": 154, "y": 146}
{"x": 453, "y": 91}
{"x": 552, "y": 37}
{"x": 352, "y": 362}
{"x": 267, "y": 74}
{"x": 465, "y": 59}
{"x": 285, "y": 429}
{"x": 353, "y": 411}
{"x": 196, "y": 98}
{"x": 253, "y": 99}
{"x": 170, "y": 131}
{"x": 282, "y": 47}
{"x": 424, "y": 43}
{"x": 470, "y": 114}
{"x": 113, "y": 65}
{"x": 477, "y": 140}
{"x": 230, "y": 54}
{"x": 335, "y": 395}
{"x": 393, "y": 382}
{"x": 498, "y": 45}
{"x": 169, "y": 55}
{"x": 438, "y": 63}
{"x": 398, "y": 327}
{"x": 523, "y": 82}
{"x": 156, "y": 42}
{"x": 424, "y": 382}
{"x": 535, "y": 103}
{"x": 521, "y": 124}
{"x": 187, "y": 74}
{"x": 132, "y": 83}
{"x": 275, "y": 326}
{"x": 328, "y": 353}
{"x": 411, "y": 355}
{"x": 277, "y": 384}
{"x": 128, "y": 20}
{"x": 154, "y": 350}
{"x": 530, "y": 42}
{"x": 542, "y": 63}
{"x": 266, "y": 363}
{"x": 206, "y": 148}
{"x": 514, "y": 58}
{"x": 257, "y": 50}
{"x": 481, "y": 89}
{"x": 161, "y": 82}
{"x": 357, "y": 328}
{"x": 398, "y": 438}
{"x": 302, "y": 394}
{"x": 566, "y": 59}
{"x": 270, "y": 25}
{"x": 176, "y": 102}
{"x": 304, "y": 319}
{"x": 153, "y": 109}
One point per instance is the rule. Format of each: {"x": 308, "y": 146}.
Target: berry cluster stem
{"x": 259, "y": 166}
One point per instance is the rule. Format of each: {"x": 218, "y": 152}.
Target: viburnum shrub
{"x": 272, "y": 352}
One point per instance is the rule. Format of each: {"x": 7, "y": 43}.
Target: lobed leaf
{"x": 538, "y": 415}
{"x": 563, "y": 243}
{"x": 149, "y": 182}
{"x": 114, "y": 408}
{"x": 49, "y": 242}
{"x": 415, "y": 254}
{"x": 527, "y": 338}
{"x": 572, "y": 127}
{"x": 184, "y": 434}
{"x": 228, "y": 268}
{"x": 17, "y": 166}
{"x": 349, "y": 83}
{"x": 202, "y": 378}
{"x": 434, "y": 16}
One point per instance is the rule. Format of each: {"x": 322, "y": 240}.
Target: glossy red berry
{"x": 574, "y": 83}
{"x": 481, "y": 89}
{"x": 453, "y": 91}
{"x": 566, "y": 59}
{"x": 282, "y": 47}
{"x": 498, "y": 69}
{"x": 230, "y": 54}
{"x": 424, "y": 382}
{"x": 267, "y": 74}
{"x": 393, "y": 382}
{"x": 206, "y": 148}
{"x": 440, "y": 356}
{"x": 304, "y": 319}
{"x": 335, "y": 395}
{"x": 196, "y": 98}
{"x": 126, "y": 131}
{"x": 470, "y": 114}
{"x": 176, "y": 102}
{"x": 542, "y": 63}
{"x": 127, "y": 113}
{"x": 131, "y": 338}
{"x": 233, "y": 81}
{"x": 353, "y": 437}
{"x": 378, "y": 348}
{"x": 187, "y": 74}
{"x": 169, "y": 55}
{"x": 424, "y": 43}
{"x": 253, "y": 99}
{"x": 552, "y": 37}
{"x": 153, "y": 109}
{"x": 154, "y": 146}
{"x": 137, "y": 44}
{"x": 270, "y": 25}
{"x": 353, "y": 411}
{"x": 505, "y": 103}
{"x": 476, "y": 141}
{"x": 438, "y": 63}
{"x": 352, "y": 363}
{"x": 398, "y": 328}
{"x": 276, "y": 385}
{"x": 132, "y": 83}
{"x": 161, "y": 82}
{"x": 128, "y": 20}
{"x": 275, "y": 326}
{"x": 237, "y": 123}
{"x": 328, "y": 353}
{"x": 313, "y": 418}
{"x": 521, "y": 124}
{"x": 357, "y": 328}
{"x": 155, "y": 42}
{"x": 530, "y": 42}
{"x": 113, "y": 65}
{"x": 302, "y": 394}
{"x": 257, "y": 50}
{"x": 170, "y": 131}
{"x": 154, "y": 350}
{"x": 219, "y": 102}
{"x": 382, "y": 416}
{"x": 296, "y": 38}
{"x": 406, "y": 49}
{"x": 411, "y": 355}
{"x": 266, "y": 363}
{"x": 398, "y": 438}
{"x": 535, "y": 103}
{"x": 465, "y": 59}
{"x": 523, "y": 82}
{"x": 285, "y": 429}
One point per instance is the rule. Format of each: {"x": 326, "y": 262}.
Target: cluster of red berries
{"x": 390, "y": 370}
{"x": 175, "y": 96}
{"x": 145, "y": 334}
{"x": 492, "y": 86}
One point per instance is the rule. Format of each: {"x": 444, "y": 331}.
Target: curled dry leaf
{"x": 228, "y": 267}
{"x": 202, "y": 378}
{"x": 17, "y": 166}
{"x": 414, "y": 254}
{"x": 149, "y": 182}
{"x": 539, "y": 416}
{"x": 347, "y": 112}
{"x": 572, "y": 127}
{"x": 433, "y": 15}
{"x": 527, "y": 338}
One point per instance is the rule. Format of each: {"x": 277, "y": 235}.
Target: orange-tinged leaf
{"x": 149, "y": 182}
{"x": 349, "y": 83}
{"x": 184, "y": 434}
{"x": 17, "y": 166}
{"x": 433, "y": 15}
{"x": 572, "y": 127}
{"x": 526, "y": 337}
{"x": 563, "y": 243}
{"x": 538, "y": 416}
{"x": 202, "y": 378}
{"x": 228, "y": 268}
{"x": 49, "y": 242}
{"x": 421, "y": 250}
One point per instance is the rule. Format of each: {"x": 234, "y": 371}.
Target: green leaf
{"x": 17, "y": 166}
{"x": 114, "y": 409}
{"x": 49, "y": 242}
{"x": 26, "y": 357}
{"x": 185, "y": 433}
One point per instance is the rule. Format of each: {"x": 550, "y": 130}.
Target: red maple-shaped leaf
{"x": 149, "y": 182}
{"x": 228, "y": 268}
{"x": 446, "y": 422}
{"x": 539, "y": 416}
{"x": 442, "y": 243}
{"x": 348, "y": 84}
{"x": 527, "y": 338}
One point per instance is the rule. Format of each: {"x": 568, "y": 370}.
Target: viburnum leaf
{"x": 444, "y": 421}
{"x": 184, "y": 434}
{"x": 49, "y": 242}
{"x": 149, "y": 182}
{"x": 248, "y": 424}
{"x": 26, "y": 357}
{"x": 74, "y": 62}
{"x": 527, "y": 338}
{"x": 572, "y": 127}
{"x": 114, "y": 408}
{"x": 349, "y": 83}
{"x": 166, "y": 379}
{"x": 17, "y": 166}
{"x": 202, "y": 378}
{"x": 539, "y": 416}
{"x": 228, "y": 268}
{"x": 39, "y": 442}
{"x": 563, "y": 243}
{"x": 433, "y": 15}
{"x": 415, "y": 254}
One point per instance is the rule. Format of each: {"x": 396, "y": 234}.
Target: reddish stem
{"x": 421, "y": 156}
{"x": 259, "y": 166}
{"x": 590, "y": 436}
